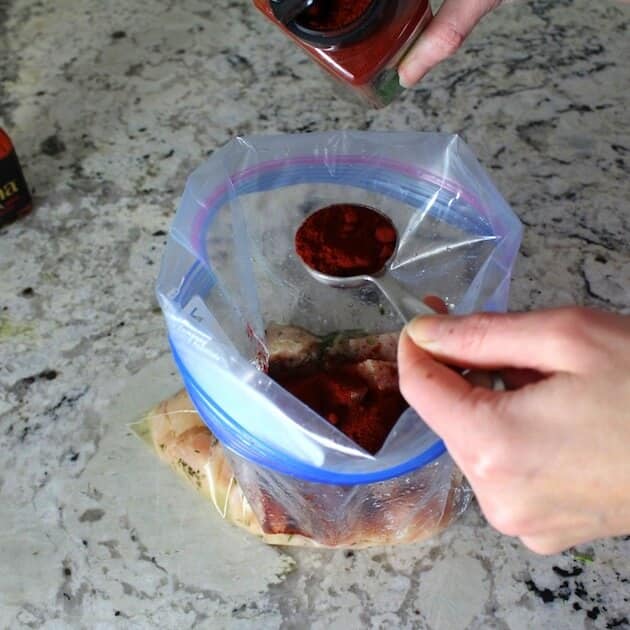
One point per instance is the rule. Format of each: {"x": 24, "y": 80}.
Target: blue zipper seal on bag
{"x": 386, "y": 177}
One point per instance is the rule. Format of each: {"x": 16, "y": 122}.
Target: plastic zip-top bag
{"x": 230, "y": 276}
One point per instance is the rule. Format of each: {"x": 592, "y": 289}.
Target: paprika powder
{"x": 345, "y": 240}
{"x": 351, "y": 401}
{"x": 350, "y": 380}
{"x": 360, "y": 43}
{"x": 15, "y": 199}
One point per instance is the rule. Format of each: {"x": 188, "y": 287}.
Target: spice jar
{"x": 359, "y": 42}
{"x": 15, "y": 199}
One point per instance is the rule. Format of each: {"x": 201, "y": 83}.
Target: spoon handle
{"x": 406, "y": 305}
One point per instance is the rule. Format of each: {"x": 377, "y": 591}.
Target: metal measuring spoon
{"x": 342, "y": 237}
{"x": 405, "y": 304}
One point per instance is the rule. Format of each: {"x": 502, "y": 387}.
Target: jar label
{"x": 15, "y": 198}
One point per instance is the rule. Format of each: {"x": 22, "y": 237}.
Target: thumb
{"x": 545, "y": 341}
{"x": 446, "y": 401}
{"x": 443, "y": 37}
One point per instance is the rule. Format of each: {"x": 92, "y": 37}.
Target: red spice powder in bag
{"x": 343, "y": 396}
{"x": 356, "y": 392}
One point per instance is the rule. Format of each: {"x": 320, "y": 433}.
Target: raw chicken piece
{"x": 291, "y": 346}
{"x": 359, "y": 348}
{"x": 284, "y": 510}
{"x": 380, "y": 375}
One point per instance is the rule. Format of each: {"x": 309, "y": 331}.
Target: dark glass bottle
{"x": 359, "y": 42}
{"x": 15, "y": 199}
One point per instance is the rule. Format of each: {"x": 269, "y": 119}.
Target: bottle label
{"x": 15, "y": 198}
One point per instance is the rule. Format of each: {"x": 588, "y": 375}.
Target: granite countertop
{"x": 111, "y": 105}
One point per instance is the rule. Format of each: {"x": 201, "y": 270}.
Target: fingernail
{"x": 408, "y": 75}
{"x": 425, "y": 331}
{"x": 403, "y": 79}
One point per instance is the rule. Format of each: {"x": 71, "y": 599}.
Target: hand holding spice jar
{"x": 359, "y": 42}
{"x": 443, "y": 37}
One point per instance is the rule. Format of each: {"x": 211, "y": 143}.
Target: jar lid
{"x": 287, "y": 10}
{"x": 330, "y": 23}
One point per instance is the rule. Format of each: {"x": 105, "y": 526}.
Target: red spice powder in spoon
{"x": 346, "y": 240}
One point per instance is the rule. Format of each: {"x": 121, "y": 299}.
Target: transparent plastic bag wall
{"x": 230, "y": 270}
{"x": 284, "y": 510}
{"x": 406, "y": 509}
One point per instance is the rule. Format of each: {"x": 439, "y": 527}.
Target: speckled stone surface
{"x": 111, "y": 105}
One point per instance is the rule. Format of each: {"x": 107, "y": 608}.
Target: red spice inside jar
{"x": 345, "y": 240}
{"x": 333, "y": 15}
